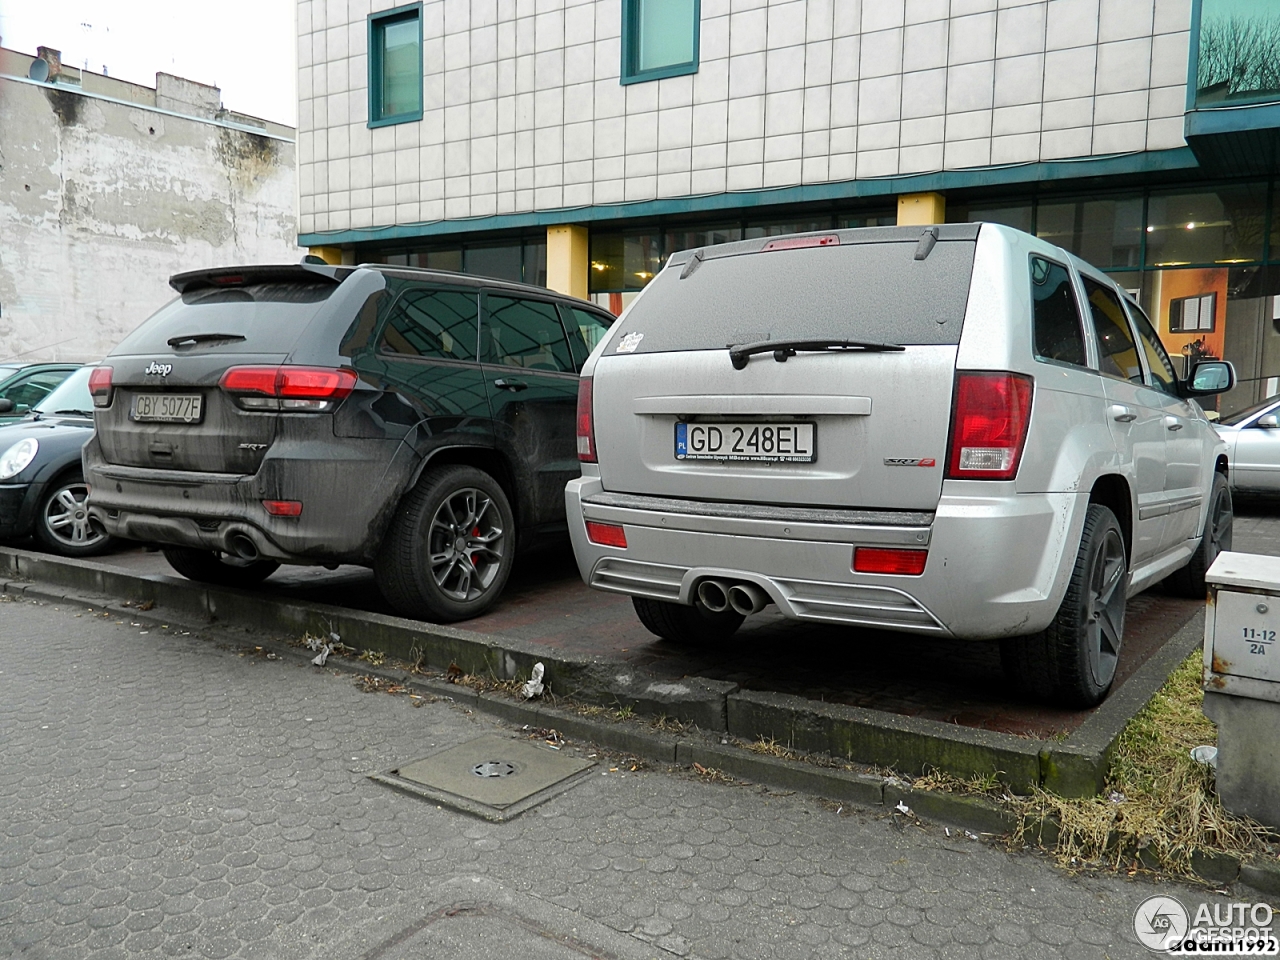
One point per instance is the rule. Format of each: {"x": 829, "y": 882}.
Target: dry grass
{"x": 1157, "y": 800}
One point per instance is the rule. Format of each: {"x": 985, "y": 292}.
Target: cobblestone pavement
{"x": 171, "y": 795}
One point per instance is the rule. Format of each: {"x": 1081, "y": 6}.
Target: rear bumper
{"x": 995, "y": 568}
{"x": 345, "y": 506}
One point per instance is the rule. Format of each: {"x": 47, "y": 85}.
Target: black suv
{"x": 419, "y": 422}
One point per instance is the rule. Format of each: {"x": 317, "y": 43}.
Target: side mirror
{"x": 6, "y": 405}
{"x": 1269, "y": 422}
{"x": 1209, "y": 377}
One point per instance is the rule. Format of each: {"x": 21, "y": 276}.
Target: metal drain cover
{"x": 492, "y": 776}
{"x": 495, "y": 768}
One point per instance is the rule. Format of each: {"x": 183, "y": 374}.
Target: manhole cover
{"x": 470, "y": 778}
{"x": 494, "y": 768}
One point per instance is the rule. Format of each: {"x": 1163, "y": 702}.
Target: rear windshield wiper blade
{"x": 78, "y": 413}
{"x": 741, "y": 353}
{"x": 202, "y": 338}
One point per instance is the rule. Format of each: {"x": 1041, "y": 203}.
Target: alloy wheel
{"x": 466, "y": 544}
{"x": 1104, "y": 627}
{"x": 1221, "y": 518}
{"x": 66, "y": 517}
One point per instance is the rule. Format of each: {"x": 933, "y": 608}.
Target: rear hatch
{"x": 167, "y": 409}
{"x": 859, "y": 427}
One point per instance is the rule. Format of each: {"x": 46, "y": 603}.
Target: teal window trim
{"x": 1193, "y": 73}
{"x": 378, "y": 21}
{"x": 631, "y": 47}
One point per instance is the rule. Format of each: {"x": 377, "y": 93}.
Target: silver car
{"x": 956, "y": 430}
{"x": 1253, "y": 448}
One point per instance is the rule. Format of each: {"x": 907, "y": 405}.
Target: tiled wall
{"x": 523, "y": 109}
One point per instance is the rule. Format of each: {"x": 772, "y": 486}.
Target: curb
{"x": 875, "y": 793}
{"x": 1075, "y": 767}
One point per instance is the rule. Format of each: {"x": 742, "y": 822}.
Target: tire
{"x": 1215, "y": 539}
{"x": 1072, "y": 662}
{"x": 686, "y": 624}
{"x": 62, "y": 522}
{"x": 449, "y": 549}
{"x": 210, "y": 566}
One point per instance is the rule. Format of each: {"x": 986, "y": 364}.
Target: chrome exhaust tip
{"x": 747, "y": 598}
{"x": 242, "y": 546}
{"x": 714, "y": 595}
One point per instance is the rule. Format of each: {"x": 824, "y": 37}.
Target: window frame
{"x": 377, "y": 23}
{"x": 629, "y": 72}
{"x": 1090, "y": 363}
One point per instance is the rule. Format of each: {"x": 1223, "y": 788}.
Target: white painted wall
{"x": 100, "y": 202}
{"x": 523, "y": 109}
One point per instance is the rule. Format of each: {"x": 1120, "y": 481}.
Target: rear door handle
{"x": 1122, "y": 414}
{"x": 1173, "y": 423}
{"x": 504, "y": 384}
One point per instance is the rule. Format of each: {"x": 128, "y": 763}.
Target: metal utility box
{"x": 1242, "y": 681}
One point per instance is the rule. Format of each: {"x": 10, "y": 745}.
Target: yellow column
{"x": 567, "y": 260}
{"x": 921, "y": 209}
{"x": 330, "y": 255}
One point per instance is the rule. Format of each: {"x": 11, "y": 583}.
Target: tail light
{"x": 100, "y": 386}
{"x": 889, "y": 560}
{"x": 607, "y": 534}
{"x": 586, "y": 423}
{"x": 283, "y": 508}
{"x": 989, "y": 420}
{"x": 289, "y": 388}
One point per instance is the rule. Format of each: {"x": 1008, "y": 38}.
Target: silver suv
{"x": 956, "y": 430}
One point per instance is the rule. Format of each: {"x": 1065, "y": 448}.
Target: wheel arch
{"x": 1112, "y": 491}
{"x": 482, "y": 458}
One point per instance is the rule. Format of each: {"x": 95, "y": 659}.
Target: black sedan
{"x": 42, "y": 491}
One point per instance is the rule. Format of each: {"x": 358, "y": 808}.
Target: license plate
{"x": 167, "y": 407}
{"x": 768, "y": 442}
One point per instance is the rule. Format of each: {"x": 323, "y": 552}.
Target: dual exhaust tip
{"x": 743, "y": 598}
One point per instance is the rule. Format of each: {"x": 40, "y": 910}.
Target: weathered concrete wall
{"x": 100, "y": 202}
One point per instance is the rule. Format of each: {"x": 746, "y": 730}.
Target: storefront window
{"x": 689, "y": 238}
{"x": 778, "y": 228}
{"x": 1016, "y": 215}
{"x": 880, "y": 218}
{"x": 535, "y": 263}
{"x": 438, "y": 259}
{"x": 1107, "y": 233}
{"x": 1237, "y": 60}
{"x": 1225, "y": 225}
{"x": 624, "y": 261}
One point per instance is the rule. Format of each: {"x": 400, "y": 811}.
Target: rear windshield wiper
{"x": 741, "y": 353}
{"x": 78, "y": 413}
{"x": 202, "y": 338}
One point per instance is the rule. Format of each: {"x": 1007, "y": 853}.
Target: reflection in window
{"x": 624, "y": 261}
{"x": 1224, "y": 225}
{"x": 779, "y": 228}
{"x": 690, "y": 238}
{"x": 1016, "y": 215}
{"x": 1117, "y": 354}
{"x": 525, "y": 333}
{"x": 1055, "y": 314}
{"x": 883, "y": 218}
{"x": 586, "y": 329}
{"x": 505, "y": 262}
{"x": 432, "y": 323}
{"x": 1162, "y": 372}
{"x": 1237, "y": 60}
{"x": 1106, "y": 233}
{"x": 395, "y": 67}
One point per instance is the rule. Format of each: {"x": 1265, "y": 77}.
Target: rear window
{"x": 269, "y": 316}
{"x": 854, "y": 291}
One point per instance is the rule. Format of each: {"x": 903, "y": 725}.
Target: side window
{"x": 585, "y": 330}
{"x": 525, "y": 333}
{"x": 29, "y": 392}
{"x": 1117, "y": 354}
{"x": 1162, "y": 372}
{"x": 1055, "y": 314}
{"x": 438, "y": 324}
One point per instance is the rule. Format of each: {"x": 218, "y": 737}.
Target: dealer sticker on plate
{"x": 768, "y": 442}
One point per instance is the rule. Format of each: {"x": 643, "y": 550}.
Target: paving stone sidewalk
{"x": 168, "y": 795}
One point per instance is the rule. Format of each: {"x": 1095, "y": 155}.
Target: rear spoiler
{"x": 272, "y": 273}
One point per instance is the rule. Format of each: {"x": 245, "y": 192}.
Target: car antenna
{"x": 927, "y": 241}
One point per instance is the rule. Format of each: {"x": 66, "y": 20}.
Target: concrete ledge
{"x": 906, "y": 744}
